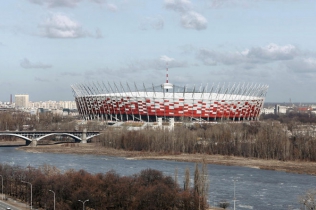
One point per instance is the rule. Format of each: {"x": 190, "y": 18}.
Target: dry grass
{"x": 133, "y": 124}
{"x": 12, "y": 142}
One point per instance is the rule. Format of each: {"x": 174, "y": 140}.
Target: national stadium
{"x": 137, "y": 102}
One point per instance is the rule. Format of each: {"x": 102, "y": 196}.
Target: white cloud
{"x": 273, "y": 52}
{"x": 303, "y": 65}
{"x": 193, "y": 20}
{"x": 229, "y": 3}
{"x": 135, "y": 66}
{"x": 61, "y": 26}
{"x": 212, "y": 58}
{"x": 71, "y": 3}
{"x": 72, "y": 74}
{"x": 111, "y": 7}
{"x": 190, "y": 19}
{"x": 98, "y": 33}
{"x": 38, "y": 79}
{"x": 25, "y": 63}
{"x": 99, "y": 1}
{"x": 165, "y": 58}
{"x": 267, "y": 54}
{"x": 178, "y": 5}
{"x": 152, "y": 23}
{"x": 147, "y": 66}
{"x": 311, "y": 62}
{"x": 56, "y": 3}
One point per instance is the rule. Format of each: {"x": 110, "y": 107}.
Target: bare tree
{"x": 187, "y": 179}
{"x": 224, "y": 204}
{"x": 309, "y": 200}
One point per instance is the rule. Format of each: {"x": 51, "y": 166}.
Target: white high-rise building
{"x": 21, "y": 101}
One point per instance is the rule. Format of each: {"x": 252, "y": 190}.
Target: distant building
{"x": 276, "y": 109}
{"x": 21, "y": 101}
{"x": 279, "y": 109}
{"x": 303, "y": 109}
{"x": 53, "y": 105}
{"x": 267, "y": 111}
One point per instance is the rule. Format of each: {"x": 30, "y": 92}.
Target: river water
{"x": 254, "y": 189}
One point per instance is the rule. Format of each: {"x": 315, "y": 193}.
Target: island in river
{"x": 92, "y": 148}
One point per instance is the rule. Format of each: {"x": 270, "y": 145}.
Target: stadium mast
{"x": 167, "y": 85}
{"x": 167, "y": 73}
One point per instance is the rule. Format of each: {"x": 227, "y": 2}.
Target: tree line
{"x": 148, "y": 189}
{"x": 291, "y": 117}
{"x": 264, "y": 140}
{"x": 16, "y": 120}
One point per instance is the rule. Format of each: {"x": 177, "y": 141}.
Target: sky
{"x": 48, "y": 45}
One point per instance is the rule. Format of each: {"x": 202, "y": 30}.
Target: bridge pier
{"x": 84, "y": 136}
{"x": 33, "y": 143}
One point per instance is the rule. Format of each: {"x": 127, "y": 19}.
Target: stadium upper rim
{"x": 243, "y": 90}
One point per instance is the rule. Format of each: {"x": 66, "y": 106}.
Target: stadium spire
{"x": 167, "y": 80}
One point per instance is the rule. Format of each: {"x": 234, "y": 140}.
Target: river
{"x": 254, "y": 189}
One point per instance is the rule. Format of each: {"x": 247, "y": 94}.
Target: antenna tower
{"x": 167, "y": 80}
{"x": 166, "y": 86}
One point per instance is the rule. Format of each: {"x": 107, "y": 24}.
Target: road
{"x": 4, "y": 206}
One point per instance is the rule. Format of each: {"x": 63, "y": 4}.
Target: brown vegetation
{"x": 266, "y": 145}
{"x": 149, "y": 189}
{"x": 308, "y": 200}
{"x": 269, "y": 140}
{"x": 264, "y": 140}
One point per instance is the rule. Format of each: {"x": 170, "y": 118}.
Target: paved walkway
{"x": 16, "y": 204}
{"x": 23, "y": 206}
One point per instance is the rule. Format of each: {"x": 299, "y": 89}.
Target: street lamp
{"x": 83, "y": 202}
{"x": 54, "y": 198}
{"x": 234, "y": 195}
{"x": 31, "y": 190}
{"x": 2, "y": 186}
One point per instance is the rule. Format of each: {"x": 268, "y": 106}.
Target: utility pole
{"x": 234, "y": 195}
{"x": 31, "y": 190}
{"x": 83, "y": 202}
{"x": 2, "y": 187}
{"x": 54, "y": 198}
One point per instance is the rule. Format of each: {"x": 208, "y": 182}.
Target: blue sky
{"x": 48, "y": 45}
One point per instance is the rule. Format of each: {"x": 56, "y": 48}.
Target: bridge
{"x": 32, "y": 137}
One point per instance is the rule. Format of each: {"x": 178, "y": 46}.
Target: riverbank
{"x": 71, "y": 148}
{"x": 16, "y": 142}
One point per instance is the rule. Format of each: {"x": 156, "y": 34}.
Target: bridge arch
{"x": 59, "y": 134}
{"x": 28, "y": 140}
{"x": 34, "y": 137}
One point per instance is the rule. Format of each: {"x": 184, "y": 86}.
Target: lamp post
{"x": 31, "y": 190}
{"x": 234, "y": 196}
{"x": 2, "y": 186}
{"x": 83, "y": 202}
{"x": 54, "y": 198}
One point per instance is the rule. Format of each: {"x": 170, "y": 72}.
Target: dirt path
{"x": 288, "y": 166}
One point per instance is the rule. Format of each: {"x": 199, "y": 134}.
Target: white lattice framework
{"x": 216, "y": 102}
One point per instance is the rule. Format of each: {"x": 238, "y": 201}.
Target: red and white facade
{"x": 112, "y": 102}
